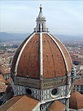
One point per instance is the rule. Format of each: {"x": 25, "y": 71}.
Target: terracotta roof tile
{"x": 76, "y": 100}
{"x": 56, "y": 106}
{"x": 17, "y": 54}
{"x": 53, "y": 59}
{"x": 30, "y": 58}
{"x": 2, "y": 78}
{"x": 9, "y": 103}
{"x": 20, "y": 103}
{"x": 51, "y": 56}
{"x": 67, "y": 56}
{"x": 78, "y": 82}
{"x": 5, "y": 70}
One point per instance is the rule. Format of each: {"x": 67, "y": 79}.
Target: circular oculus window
{"x": 54, "y": 91}
{"x": 28, "y": 91}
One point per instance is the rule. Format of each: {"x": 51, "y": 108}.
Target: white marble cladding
{"x": 37, "y": 107}
{"x": 44, "y": 106}
{"x": 47, "y": 94}
{"x": 19, "y": 90}
{"x": 42, "y": 95}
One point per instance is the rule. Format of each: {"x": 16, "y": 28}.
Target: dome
{"x": 41, "y": 55}
{"x": 41, "y": 60}
{"x": 42, "y": 70}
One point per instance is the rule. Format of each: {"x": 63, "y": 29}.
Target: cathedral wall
{"x": 42, "y": 95}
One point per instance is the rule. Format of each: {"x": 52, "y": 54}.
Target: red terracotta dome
{"x": 41, "y": 55}
{"x": 47, "y": 56}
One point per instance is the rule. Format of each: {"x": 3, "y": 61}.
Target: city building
{"x": 2, "y": 85}
{"x": 78, "y": 85}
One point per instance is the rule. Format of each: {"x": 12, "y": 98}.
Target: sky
{"x": 62, "y": 16}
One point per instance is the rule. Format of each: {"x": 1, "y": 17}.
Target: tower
{"x": 42, "y": 67}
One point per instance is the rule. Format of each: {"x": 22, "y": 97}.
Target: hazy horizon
{"x": 63, "y": 17}
{"x": 33, "y": 31}
{"x": 22, "y": 36}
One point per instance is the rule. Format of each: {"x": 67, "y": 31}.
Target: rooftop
{"x": 19, "y": 103}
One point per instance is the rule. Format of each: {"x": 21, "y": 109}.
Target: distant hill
{"x": 16, "y": 36}
{"x": 70, "y": 37}
{"x": 12, "y": 36}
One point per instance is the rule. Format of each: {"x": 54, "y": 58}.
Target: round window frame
{"x": 54, "y": 95}
{"x": 54, "y": 91}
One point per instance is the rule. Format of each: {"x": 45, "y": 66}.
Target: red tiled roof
{"x": 2, "y": 78}
{"x": 20, "y": 103}
{"x": 53, "y": 61}
{"x": 51, "y": 55}
{"x": 56, "y": 106}
{"x": 66, "y": 54}
{"x": 78, "y": 82}
{"x": 76, "y": 100}
{"x": 30, "y": 58}
{"x": 5, "y": 70}
{"x": 7, "y": 105}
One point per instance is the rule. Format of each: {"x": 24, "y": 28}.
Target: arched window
{"x": 39, "y": 27}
